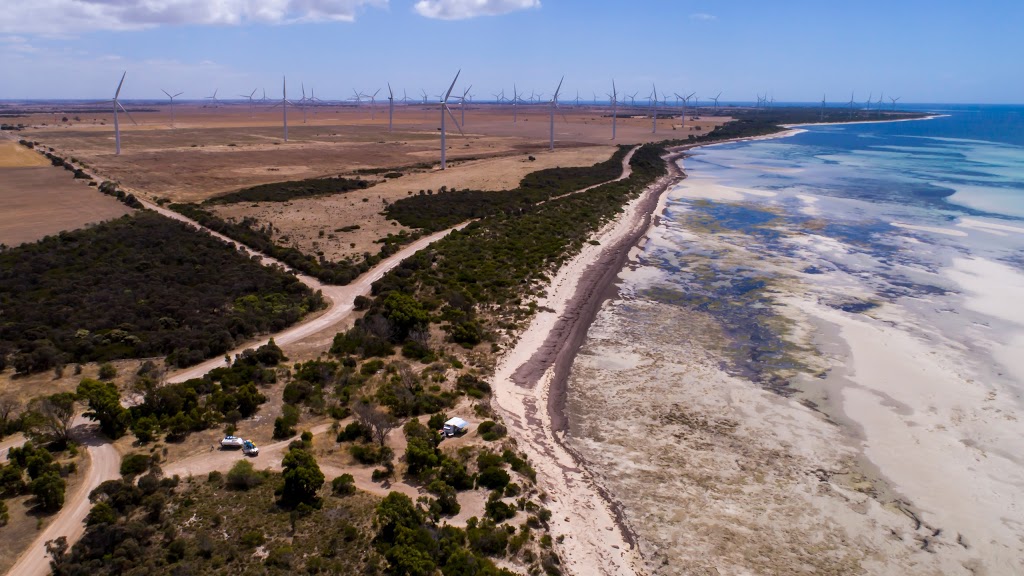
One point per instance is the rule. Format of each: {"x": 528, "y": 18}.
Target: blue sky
{"x": 939, "y": 51}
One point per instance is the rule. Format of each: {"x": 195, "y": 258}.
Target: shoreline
{"x": 537, "y": 366}
{"x": 531, "y": 384}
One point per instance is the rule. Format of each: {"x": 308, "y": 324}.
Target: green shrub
{"x": 493, "y": 478}
{"x": 491, "y": 431}
{"x": 243, "y": 476}
{"x": 134, "y": 464}
{"x": 344, "y": 485}
{"x": 107, "y": 371}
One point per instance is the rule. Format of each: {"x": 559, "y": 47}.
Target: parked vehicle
{"x": 455, "y": 427}
{"x": 250, "y": 449}
{"x": 232, "y": 442}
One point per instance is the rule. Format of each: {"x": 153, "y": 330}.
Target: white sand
{"x": 593, "y": 543}
{"x": 932, "y": 229}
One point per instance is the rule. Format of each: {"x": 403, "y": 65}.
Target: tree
{"x": 379, "y": 423}
{"x": 302, "y": 477}
{"x": 105, "y": 405}
{"x": 49, "y": 491}
{"x": 405, "y": 313}
{"x": 8, "y": 405}
{"x": 57, "y": 411}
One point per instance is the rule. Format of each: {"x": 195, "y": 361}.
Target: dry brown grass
{"x": 39, "y": 201}
{"x": 14, "y": 155}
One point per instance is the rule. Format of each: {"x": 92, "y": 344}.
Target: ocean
{"x": 814, "y": 361}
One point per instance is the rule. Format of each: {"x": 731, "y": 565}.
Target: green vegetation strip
{"x": 493, "y": 264}
{"x": 285, "y": 191}
{"x": 434, "y": 212}
{"x": 139, "y": 286}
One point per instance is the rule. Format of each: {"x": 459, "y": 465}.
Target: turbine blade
{"x": 128, "y": 113}
{"x": 119, "y": 84}
{"x": 452, "y": 116}
{"x": 557, "y": 90}
{"x": 165, "y": 92}
{"x": 449, "y": 93}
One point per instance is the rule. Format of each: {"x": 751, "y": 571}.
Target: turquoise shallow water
{"x": 969, "y": 161}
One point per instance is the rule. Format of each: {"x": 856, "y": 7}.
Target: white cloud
{"x": 703, "y": 17}
{"x": 462, "y": 9}
{"x": 56, "y": 17}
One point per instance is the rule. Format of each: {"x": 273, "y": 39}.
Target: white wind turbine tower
{"x": 446, "y": 109}
{"x": 302, "y": 102}
{"x": 716, "y": 101}
{"x": 516, "y": 99}
{"x": 249, "y": 96}
{"x": 405, "y": 97}
{"x": 614, "y": 97}
{"x": 117, "y": 127}
{"x": 391, "y": 106}
{"x": 881, "y": 101}
{"x": 554, "y": 104}
{"x": 179, "y": 94}
{"x": 284, "y": 105}
{"x": 424, "y": 95}
{"x": 821, "y": 116}
{"x": 851, "y": 104}
{"x": 577, "y": 99}
{"x": 869, "y": 104}
{"x": 894, "y": 100}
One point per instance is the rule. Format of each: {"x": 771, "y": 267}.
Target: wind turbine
{"x": 373, "y": 103}
{"x": 554, "y": 104}
{"x": 614, "y": 97}
{"x": 444, "y": 109}
{"x": 821, "y": 116}
{"x": 632, "y": 98}
{"x": 244, "y": 96}
{"x": 880, "y": 102}
{"x": 716, "y": 101}
{"x": 516, "y": 99}
{"x": 577, "y": 98}
{"x": 303, "y": 101}
{"x": 894, "y": 100}
{"x": 869, "y": 104}
{"x": 654, "y": 109}
{"x": 851, "y": 104}
{"x": 284, "y": 105}
{"x": 391, "y": 105}
{"x": 264, "y": 99}
{"x": 424, "y": 95}
{"x": 214, "y": 97}
{"x": 462, "y": 103}
{"x": 117, "y": 127}
{"x": 405, "y": 97}
{"x": 180, "y": 93}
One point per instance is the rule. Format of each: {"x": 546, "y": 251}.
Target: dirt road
{"x": 104, "y": 464}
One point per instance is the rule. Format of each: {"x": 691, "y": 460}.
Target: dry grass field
{"x": 212, "y": 151}
{"x": 14, "y": 155}
{"x": 44, "y": 200}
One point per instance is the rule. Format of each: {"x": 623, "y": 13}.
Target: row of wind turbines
{"x": 518, "y": 99}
